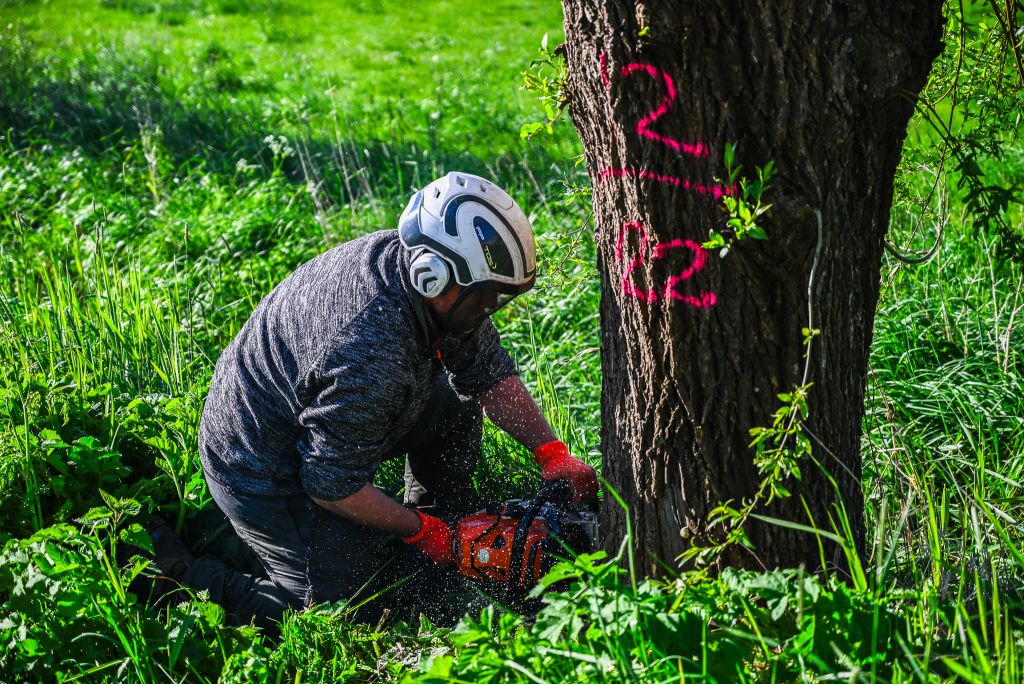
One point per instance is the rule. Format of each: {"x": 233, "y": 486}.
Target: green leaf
{"x": 135, "y": 535}
{"x": 559, "y": 572}
{"x": 779, "y": 609}
{"x": 138, "y": 565}
{"x": 437, "y": 665}
{"x": 755, "y": 231}
{"x": 95, "y": 515}
{"x": 212, "y": 614}
{"x": 530, "y": 129}
{"x": 714, "y": 240}
{"x": 1010, "y": 546}
{"x": 959, "y": 669}
{"x": 50, "y": 439}
{"x": 109, "y": 500}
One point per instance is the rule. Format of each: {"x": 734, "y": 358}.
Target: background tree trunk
{"x": 695, "y": 348}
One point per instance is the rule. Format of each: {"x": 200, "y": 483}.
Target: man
{"x": 377, "y": 348}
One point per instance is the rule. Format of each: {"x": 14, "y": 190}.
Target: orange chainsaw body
{"x": 483, "y": 548}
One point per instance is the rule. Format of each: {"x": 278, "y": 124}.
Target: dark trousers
{"x": 311, "y": 555}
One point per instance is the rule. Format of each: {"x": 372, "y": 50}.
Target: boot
{"x": 171, "y": 559}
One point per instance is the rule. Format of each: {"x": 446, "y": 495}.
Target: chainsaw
{"x": 511, "y": 545}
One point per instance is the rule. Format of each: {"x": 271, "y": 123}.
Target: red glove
{"x": 433, "y": 539}
{"x": 556, "y": 462}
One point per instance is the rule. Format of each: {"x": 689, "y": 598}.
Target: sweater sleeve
{"x": 479, "y": 362}
{"x": 357, "y": 390}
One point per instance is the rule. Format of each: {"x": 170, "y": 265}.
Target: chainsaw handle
{"x": 557, "y": 491}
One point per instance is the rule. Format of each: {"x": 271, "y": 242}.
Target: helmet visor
{"x": 488, "y": 301}
{"x": 478, "y": 302}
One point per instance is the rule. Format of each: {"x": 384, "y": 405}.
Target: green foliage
{"x": 67, "y": 611}
{"x": 545, "y": 78}
{"x": 968, "y": 118}
{"x": 775, "y": 459}
{"x": 742, "y": 204}
{"x": 775, "y": 626}
{"x": 160, "y": 176}
{"x": 778, "y": 450}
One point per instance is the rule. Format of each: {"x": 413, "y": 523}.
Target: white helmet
{"x": 465, "y": 229}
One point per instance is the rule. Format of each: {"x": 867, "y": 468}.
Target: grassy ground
{"x": 394, "y": 70}
{"x": 164, "y": 164}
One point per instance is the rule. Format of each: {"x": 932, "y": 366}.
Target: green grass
{"x": 164, "y": 164}
{"x": 396, "y": 70}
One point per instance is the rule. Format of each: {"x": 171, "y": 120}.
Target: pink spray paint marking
{"x": 706, "y": 299}
{"x": 697, "y": 149}
{"x": 660, "y": 251}
{"x": 714, "y": 190}
{"x": 627, "y": 286}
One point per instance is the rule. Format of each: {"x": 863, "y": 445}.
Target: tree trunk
{"x": 696, "y": 346}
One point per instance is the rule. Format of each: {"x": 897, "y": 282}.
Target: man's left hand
{"x": 556, "y": 462}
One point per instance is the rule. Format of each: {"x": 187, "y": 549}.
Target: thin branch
{"x": 914, "y": 257}
{"x": 1008, "y": 35}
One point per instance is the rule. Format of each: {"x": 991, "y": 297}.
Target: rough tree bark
{"x": 695, "y": 347}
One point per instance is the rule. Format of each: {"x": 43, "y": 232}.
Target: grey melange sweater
{"x": 331, "y": 369}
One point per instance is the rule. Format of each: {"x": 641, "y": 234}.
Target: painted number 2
{"x": 643, "y": 129}
{"x": 660, "y": 251}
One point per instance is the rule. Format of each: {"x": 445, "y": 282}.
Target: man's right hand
{"x": 434, "y": 539}
{"x": 375, "y": 509}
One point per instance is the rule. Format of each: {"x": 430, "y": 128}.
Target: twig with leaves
{"x": 546, "y": 78}
{"x": 743, "y": 208}
{"x": 778, "y": 450}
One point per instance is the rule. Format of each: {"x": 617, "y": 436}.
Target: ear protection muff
{"x": 431, "y": 275}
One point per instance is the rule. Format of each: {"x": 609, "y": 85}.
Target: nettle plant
{"x": 68, "y": 609}
{"x": 599, "y": 622}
